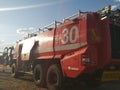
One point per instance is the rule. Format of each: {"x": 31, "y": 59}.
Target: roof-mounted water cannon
{"x": 112, "y": 15}
{"x": 104, "y": 10}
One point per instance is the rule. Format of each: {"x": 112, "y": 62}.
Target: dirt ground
{"x": 21, "y": 83}
{"x": 26, "y": 83}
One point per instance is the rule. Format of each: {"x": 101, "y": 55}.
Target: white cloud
{"x": 25, "y": 31}
{"x": 2, "y": 42}
{"x": 117, "y": 0}
{"x": 31, "y": 6}
{"x": 113, "y": 7}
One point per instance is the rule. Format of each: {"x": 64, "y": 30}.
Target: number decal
{"x": 70, "y": 35}
{"x": 73, "y": 34}
{"x": 65, "y": 32}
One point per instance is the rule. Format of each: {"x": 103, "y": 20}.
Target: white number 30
{"x": 68, "y": 35}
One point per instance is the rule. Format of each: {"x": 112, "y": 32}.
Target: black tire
{"x": 95, "y": 79}
{"x": 54, "y": 78}
{"x": 93, "y": 83}
{"x": 38, "y": 75}
{"x": 13, "y": 71}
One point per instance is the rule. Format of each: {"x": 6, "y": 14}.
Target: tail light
{"x": 85, "y": 59}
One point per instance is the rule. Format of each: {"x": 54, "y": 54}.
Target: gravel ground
{"x": 26, "y": 83}
{"x": 23, "y": 83}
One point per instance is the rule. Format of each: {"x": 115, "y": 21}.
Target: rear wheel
{"x": 13, "y": 71}
{"x": 95, "y": 79}
{"x": 54, "y": 78}
{"x": 38, "y": 75}
{"x": 93, "y": 83}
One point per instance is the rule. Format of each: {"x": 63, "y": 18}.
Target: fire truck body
{"x": 85, "y": 44}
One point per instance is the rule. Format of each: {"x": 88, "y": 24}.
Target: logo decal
{"x": 95, "y": 36}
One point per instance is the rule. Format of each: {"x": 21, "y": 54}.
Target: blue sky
{"x": 18, "y": 17}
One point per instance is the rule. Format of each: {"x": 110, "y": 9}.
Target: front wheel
{"x": 54, "y": 77}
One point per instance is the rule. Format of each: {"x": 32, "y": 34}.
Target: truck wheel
{"x": 93, "y": 83}
{"x": 54, "y": 78}
{"x": 95, "y": 79}
{"x": 13, "y": 71}
{"x": 38, "y": 75}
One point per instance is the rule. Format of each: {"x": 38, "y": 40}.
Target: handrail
{"x": 50, "y": 26}
{"x": 55, "y": 24}
{"x": 72, "y": 16}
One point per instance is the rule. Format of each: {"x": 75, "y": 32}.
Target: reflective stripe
{"x": 61, "y": 48}
{"x": 70, "y": 46}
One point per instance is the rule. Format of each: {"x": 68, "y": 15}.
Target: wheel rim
{"x": 52, "y": 78}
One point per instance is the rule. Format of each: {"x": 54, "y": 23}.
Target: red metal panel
{"x": 70, "y": 36}
{"x": 44, "y": 49}
{"x": 72, "y": 65}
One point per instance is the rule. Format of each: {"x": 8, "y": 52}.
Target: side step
{"x": 30, "y": 73}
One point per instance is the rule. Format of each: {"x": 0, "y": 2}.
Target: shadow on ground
{"x": 26, "y": 83}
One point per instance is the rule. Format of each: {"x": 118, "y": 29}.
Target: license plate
{"x": 111, "y": 75}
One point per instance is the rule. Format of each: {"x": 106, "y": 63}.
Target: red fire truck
{"x": 81, "y": 47}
